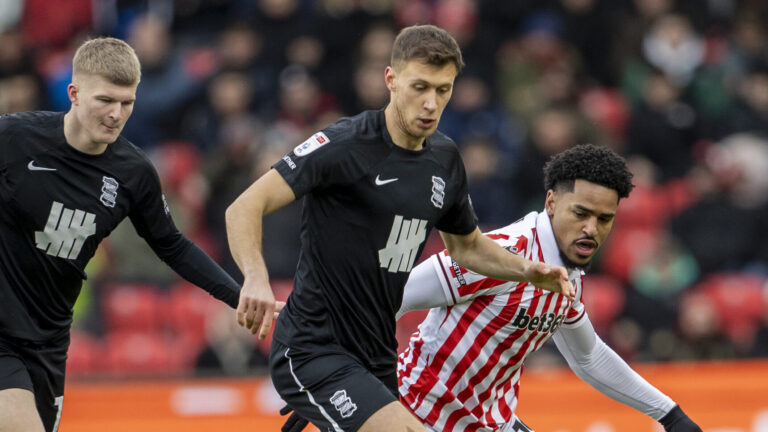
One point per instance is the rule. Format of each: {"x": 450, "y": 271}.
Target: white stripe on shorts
{"x": 336, "y": 427}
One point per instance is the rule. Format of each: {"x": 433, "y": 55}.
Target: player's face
{"x": 581, "y": 219}
{"x": 101, "y": 108}
{"x": 419, "y": 92}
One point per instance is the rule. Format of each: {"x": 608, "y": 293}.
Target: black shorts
{"x": 331, "y": 389}
{"x": 38, "y": 368}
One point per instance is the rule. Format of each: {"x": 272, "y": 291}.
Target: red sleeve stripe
{"x": 482, "y": 284}
{"x": 574, "y": 320}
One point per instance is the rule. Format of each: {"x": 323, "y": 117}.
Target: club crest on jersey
{"x": 313, "y": 143}
{"x": 547, "y": 322}
{"x": 343, "y": 403}
{"x": 438, "y": 191}
{"x": 109, "y": 191}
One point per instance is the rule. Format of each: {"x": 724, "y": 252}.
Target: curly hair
{"x": 588, "y": 162}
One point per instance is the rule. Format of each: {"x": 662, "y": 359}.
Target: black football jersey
{"x": 368, "y": 206}
{"x": 56, "y": 205}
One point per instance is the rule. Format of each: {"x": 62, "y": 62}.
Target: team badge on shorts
{"x": 343, "y": 403}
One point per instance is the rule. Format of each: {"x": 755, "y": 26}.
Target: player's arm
{"x": 423, "y": 289}
{"x": 482, "y": 255}
{"x": 244, "y": 219}
{"x": 153, "y": 222}
{"x": 599, "y": 366}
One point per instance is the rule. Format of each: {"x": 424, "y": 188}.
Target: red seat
{"x": 143, "y": 353}
{"x": 134, "y": 307}
{"x": 85, "y": 355}
{"x": 188, "y": 308}
{"x": 603, "y": 298}
{"x": 739, "y": 301}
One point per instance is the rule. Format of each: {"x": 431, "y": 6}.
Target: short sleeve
{"x": 460, "y": 218}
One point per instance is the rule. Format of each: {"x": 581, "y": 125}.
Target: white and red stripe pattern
{"x": 461, "y": 369}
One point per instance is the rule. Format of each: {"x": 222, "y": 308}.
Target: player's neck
{"x": 75, "y": 135}
{"x": 397, "y": 131}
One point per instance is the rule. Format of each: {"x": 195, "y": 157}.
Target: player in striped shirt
{"x": 462, "y": 367}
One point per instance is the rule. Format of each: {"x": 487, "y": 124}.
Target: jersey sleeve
{"x": 460, "y": 218}
{"x": 576, "y": 314}
{"x": 461, "y": 285}
{"x": 317, "y": 162}
{"x": 150, "y": 215}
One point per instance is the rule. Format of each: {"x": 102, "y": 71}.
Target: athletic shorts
{"x": 516, "y": 426}
{"x": 333, "y": 390}
{"x": 38, "y": 368}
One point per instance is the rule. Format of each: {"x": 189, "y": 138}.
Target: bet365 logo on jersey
{"x": 547, "y": 322}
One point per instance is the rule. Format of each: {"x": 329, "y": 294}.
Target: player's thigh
{"x": 392, "y": 417}
{"x": 17, "y": 402}
{"x": 330, "y": 389}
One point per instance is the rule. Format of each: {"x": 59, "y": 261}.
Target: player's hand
{"x": 279, "y": 305}
{"x": 550, "y": 278}
{"x": 678, "y": 421}
{"x": 294, "y": 422}
{"x": 256, "y": 308}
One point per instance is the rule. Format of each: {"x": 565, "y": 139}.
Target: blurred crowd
{"x": 680, "y": 88}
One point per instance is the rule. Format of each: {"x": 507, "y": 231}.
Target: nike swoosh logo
{"x": 380, "y": 182}
{"x": 33, "y": 167}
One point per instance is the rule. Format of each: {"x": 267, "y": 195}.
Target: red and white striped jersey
{"x": 462, "y": 367}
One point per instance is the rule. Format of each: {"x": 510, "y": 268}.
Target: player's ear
{"x": 549, "y": 202}
{"x": 389, "y": 78}
{"x": 73, "y": 93}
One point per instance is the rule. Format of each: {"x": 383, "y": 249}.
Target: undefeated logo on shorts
{"x": 547, "y": 322}
{"x": 343, "y": 403}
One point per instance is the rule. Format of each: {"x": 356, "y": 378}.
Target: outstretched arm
{"x": 482, "y": 255}
{"x": 244, "y": 217}
{"x": 599, "y": 366}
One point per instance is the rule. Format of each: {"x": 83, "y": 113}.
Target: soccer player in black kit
{"x": 374, "y": 185}
{"x": 66, "y": 181}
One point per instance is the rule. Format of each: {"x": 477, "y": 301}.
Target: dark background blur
{"x": 680, "y": 88}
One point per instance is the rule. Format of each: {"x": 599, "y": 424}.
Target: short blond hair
{"x": 110, "y": 58}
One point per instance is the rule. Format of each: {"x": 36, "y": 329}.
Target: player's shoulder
{"x": 29, "y": 120}
{"x": 518, "y": 235}
{"x": 444, "y": 149}
{"x": 363, "y": 127}
{"x": 130, "y": 155}
{"x": 347, "y": 133}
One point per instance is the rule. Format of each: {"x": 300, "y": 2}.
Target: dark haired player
{"x": 374, "y": 185}
{"x": 462, "y": 367}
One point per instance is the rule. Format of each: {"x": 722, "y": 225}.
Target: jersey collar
{"x": 549, "y": 245}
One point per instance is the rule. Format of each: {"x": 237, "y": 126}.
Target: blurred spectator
{"x": 662, "y": 128}
{"x": 169, "y": 79}
{"x": 21, "y": 92}
{"x": 240, "y": 48}
{"x": 10, "y": 14}
{"x": 720, "y": 230}
{"x": 229, "y": 99}
{"x": 552, "y": 131}
{"x": 302, "y": 102}
{"x": 487, "y": 174}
